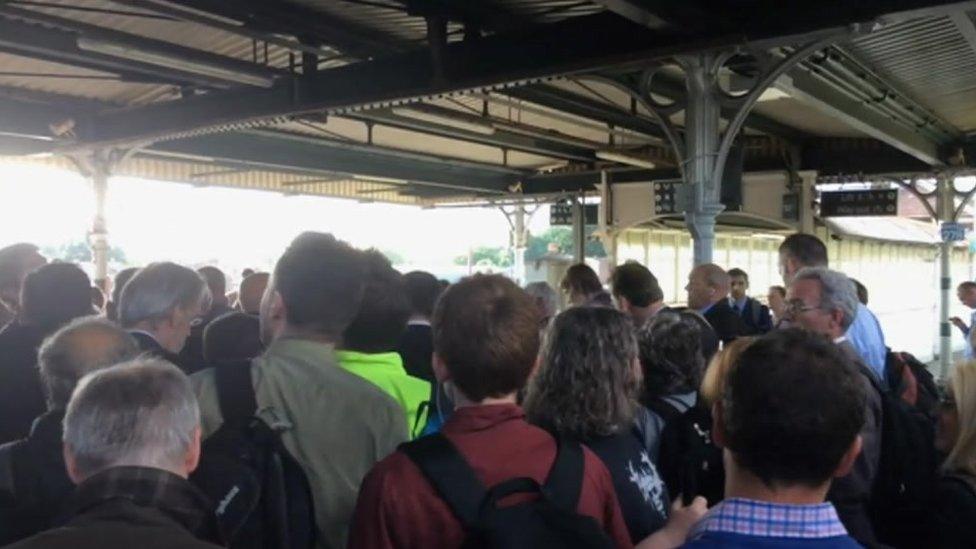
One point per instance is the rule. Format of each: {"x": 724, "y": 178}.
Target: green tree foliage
{"x": 562, "y": 240}
{"x": 495, "y": 255}
{"x": 79, "y": 252}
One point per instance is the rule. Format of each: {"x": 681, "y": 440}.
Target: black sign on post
{"x": 859, "y": 203}
{"x": 562, "y": 214}
{"x": 665, "y": 201}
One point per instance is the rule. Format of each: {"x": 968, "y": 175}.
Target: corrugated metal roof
{"x": 931, "y": 60}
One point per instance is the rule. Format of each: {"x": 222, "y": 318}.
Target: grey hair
{"x": 70, "y": 353}
{"x": 837, "y": 292}
{"x": 544, "y": 295}
{"x": 139, "y": 413}
{"x": 157, "y": 290}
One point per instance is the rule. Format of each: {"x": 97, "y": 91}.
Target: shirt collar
{"x": 839, "y": 340}
{"x": 418, "y": 322}
{"x": 741, "y": 303}
{"x": 763, "y": 519}
{"x": 479, "y": 418}
{"x": 390, "y": 362}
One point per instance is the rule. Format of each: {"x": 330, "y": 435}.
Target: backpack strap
{"x": 235, "y": 390}
{"x": 449, "y": 474}
{"x": 565, "y": 480}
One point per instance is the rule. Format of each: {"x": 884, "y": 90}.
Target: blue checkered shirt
{"x": 762, "y": 519}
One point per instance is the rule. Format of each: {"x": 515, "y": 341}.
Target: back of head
{"x": 546, "y": 298}
{"x": 792, "y": 407}
{"x": 587, "y": 385}
{"x": 140, "y": 413}
{"x": 423, "y": 289}
{"x": 251, "y": 291}
{"x": 153, "y": 293}
{"x": 635, "y": 283}
{"x": 16, "y": 260}
{"x": 671, "y": 354}
{"x": 54, "y": 294}
{"x": 962, "y": 455}
{"x": 807, "y": 250}
{"x": 862, "y": 291}
{"x": 216, "y": 282}
{"x": 320, "y": 280}
{"x": 486, "y": 331}
{"x": 232, "y": 337}
{"x": 383, "y": 314}
{"x": 582, "y": 280}
{"x": 121, "y": 278}
{"x": 79, "y": 348}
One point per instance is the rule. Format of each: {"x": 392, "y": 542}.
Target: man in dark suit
{"x": 755, "y": 316}
{"x": 159, "y": 307}
{"x": 708, "y": 294}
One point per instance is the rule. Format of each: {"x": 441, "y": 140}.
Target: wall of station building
{"x": 902, "y": 278}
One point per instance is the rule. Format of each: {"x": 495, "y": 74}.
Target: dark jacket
{"x": 33, "y": 481}
{"x": 149, "y": 345}
{"x": 850, "y": 493}
{"x": 416, "y": 349}
{"x": 727, "y": 325}
{"x": 955, "y": 512}
{"x": 755, "y": 317}
{"x": 21, "y": 396}
{"x": 133, "y": 507}
{"x": 191, "y": 356}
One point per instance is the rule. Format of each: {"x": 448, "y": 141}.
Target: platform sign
{"x": 859, "y": 203}
{"x": 562, "y": 214}
{"x": 952, "y": 232}
{"x": 665, "y": 198}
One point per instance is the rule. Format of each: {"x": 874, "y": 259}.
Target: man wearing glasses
{"x": 823, "y": 301}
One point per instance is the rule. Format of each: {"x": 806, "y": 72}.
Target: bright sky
{"x": 153, "y": 220}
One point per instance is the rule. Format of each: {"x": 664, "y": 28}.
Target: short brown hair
{"x": 486, "y": 330}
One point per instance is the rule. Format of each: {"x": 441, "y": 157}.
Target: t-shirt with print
{"x": 642, "y": 493}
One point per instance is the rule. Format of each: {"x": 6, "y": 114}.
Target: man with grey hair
{"x": 546, "y": 300}
{"x": 708, "y": 294}
{"x": 823, "y": 301}
{"x": 131, "y": 438}
{"x": 33, "y": 481}
{"x": 159, "y": 307}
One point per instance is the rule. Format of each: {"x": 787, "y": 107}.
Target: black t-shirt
{"x": 641, "y": 491}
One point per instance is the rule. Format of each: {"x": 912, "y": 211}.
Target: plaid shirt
{"x": 762, "y": 519}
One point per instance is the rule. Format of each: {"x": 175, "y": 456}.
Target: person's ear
{"x": 838, "y": 316}
{"x": 192, "y": 458}
{"x": 850, "y": 456}
{"x": 70, "y": 465}
{"x": 277, "y": 307}
{"x": 718, "y": 424}
{"x": 441, "y": 372}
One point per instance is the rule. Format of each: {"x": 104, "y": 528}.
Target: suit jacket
{"x": 21, "y": 396}
{"x": 149, "y": 345}
{"x": 756, "y": 319}
{"x": 727, "y": 325}
{"x": 850, "y": 494}
{"x": 191, "y": 356}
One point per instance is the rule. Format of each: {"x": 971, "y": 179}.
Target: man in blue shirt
{"x": 966, "y": 292}
{"x": 788, "y": 423}
{"x": 865, "y": 334}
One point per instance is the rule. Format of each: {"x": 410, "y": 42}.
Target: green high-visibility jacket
{"x": 385, "y": 370}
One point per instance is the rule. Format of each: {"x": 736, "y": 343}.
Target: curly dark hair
{"x": 671, "y": 354}
{"x": 587, "y": 385}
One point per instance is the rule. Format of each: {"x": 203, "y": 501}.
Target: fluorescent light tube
{"x": 171, "y": 61}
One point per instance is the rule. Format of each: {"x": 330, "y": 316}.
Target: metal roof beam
{"x": 593, "y": 109}
{"x": 805, "y": 87}
{"x": 273, "y": 151}
{"x": 567, "y": 47}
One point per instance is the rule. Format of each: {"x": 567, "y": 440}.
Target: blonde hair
{"x": 962, "y": 457}
{"x": 713, "y": 383}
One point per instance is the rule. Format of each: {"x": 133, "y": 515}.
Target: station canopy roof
{"x": 434, "y": 101}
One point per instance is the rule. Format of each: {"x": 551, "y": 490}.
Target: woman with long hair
{"x": 955, "y": 499}
{"x": 586, "y": 388}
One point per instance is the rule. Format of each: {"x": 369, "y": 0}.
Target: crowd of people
{"x": 335, "y": 402}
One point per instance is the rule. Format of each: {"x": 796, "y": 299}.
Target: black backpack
{"x": 263, "y": 497}
{"x": 907, "y": 472}
{"x": 689, "y": 461}
{"x": 547, "y": 521}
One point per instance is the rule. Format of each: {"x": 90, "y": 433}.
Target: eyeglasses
{"x": 797, "y": 306}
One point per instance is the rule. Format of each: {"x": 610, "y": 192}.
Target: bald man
{"x": 33, "y": 481}
{"x": 250, "y": 292}
{"x": 708, "y": 293}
